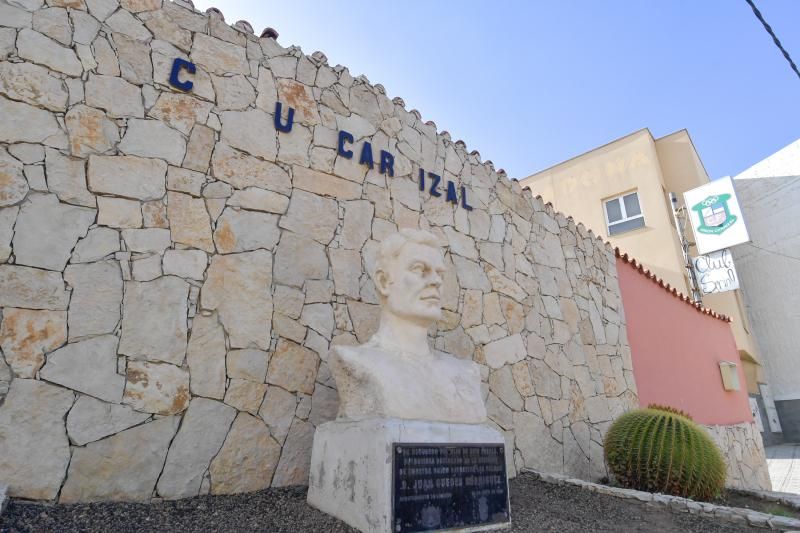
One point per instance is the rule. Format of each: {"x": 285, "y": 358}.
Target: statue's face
{"x": 412, "y": 284}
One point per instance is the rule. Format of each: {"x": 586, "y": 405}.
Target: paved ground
{"x": 784, "y": 467}
{"x": 535, "y": 507}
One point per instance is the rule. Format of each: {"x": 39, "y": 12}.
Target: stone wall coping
{"x": 677, "y": 504}
{"x": 319, "y": 58}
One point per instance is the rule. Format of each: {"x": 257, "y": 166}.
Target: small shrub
{"x": 660, "y": 449}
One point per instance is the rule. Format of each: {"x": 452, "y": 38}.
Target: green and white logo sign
{"x": 716, "y": 216}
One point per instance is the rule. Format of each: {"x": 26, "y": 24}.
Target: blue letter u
{"x": 286, "y": 128}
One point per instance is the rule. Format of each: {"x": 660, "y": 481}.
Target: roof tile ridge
{"x": 637, "y": 265}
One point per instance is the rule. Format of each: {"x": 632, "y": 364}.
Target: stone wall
{"x": 742, "y": 447}
{"x": 174, "y": 269}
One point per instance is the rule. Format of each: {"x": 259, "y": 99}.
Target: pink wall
{"x": 676, "y": 352}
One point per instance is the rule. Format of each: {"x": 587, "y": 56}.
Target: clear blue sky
{"x": 532, "y": 83}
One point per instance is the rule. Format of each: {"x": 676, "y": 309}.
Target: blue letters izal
{"x": 428, "y": 181}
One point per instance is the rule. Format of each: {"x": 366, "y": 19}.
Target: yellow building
{"x": 621, "y": 192}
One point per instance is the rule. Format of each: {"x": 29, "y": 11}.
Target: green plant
{"x": 660, "y": 449}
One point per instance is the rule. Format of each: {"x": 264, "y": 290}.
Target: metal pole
{"x": 679, "y": 218}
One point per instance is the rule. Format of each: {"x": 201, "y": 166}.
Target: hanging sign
{"x": 716, "y": 216}
{"x": 715, "y": 272}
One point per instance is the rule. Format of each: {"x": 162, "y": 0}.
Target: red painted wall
{"x": 676, "y": 352}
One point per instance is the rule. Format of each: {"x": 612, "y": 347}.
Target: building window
{"x": 623, "y": 213}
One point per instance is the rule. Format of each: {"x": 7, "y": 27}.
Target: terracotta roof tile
{"x": 667, "y": 287}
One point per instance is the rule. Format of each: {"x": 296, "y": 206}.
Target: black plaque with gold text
{"x": 443, "y": 486}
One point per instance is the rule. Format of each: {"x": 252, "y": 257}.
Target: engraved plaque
{"x": 443, "y": 486}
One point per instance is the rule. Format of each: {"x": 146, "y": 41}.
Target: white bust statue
{"x": 396, "y": 374}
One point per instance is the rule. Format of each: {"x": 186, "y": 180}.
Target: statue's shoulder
{"x": 465, "y": 365}
{"x": 351, "y": 352}
{"x": 355, "y": 355}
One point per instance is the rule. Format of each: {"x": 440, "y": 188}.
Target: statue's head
{"x": 408, "y": 276}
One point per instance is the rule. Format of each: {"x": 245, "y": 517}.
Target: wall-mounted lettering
{"x": 285, "y": 128}
{"x": 344, "y": 144}
{"x": 452, "y": 195}
{"x": 174, "y": 76}
{"x": 366, "y": 155}
{"x": 435, "y": 179}
{"x": 345, "y": 137}
{"x": 387, "y": 163}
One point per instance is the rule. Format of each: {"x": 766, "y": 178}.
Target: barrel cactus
{"x": 660, "y": 449}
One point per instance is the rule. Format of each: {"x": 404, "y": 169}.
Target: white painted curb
{"x": 677, "y": 504}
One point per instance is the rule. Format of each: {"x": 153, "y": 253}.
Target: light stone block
{"x": 218, "y": 56}
{"x": 154, "y": 320}
{"x": 154, "y": 139}
{"x": 205, "y": 356}
{"x": 189, "y": 221}
{"x": 149, "y": 240}
{"x": 238, "y": 287}
{"x": 32, "y": 288}
{"x": 311, "y": 216}
{"x": 85, "y": 27}
{"x": 98, "y": 243}
{"x": 32, "y": 84}
{"x": 248, "y": 364}
{"x": 27, "y": 335}
{"x": 90, "y": 131}
{"x": 189, "y": 264}
{"x": 125, "y": 23}
{"x": 90, "y": 420}
{"x": 47, "y": 230}
{"x": 101, "y": 9}
{"x": 54, "y": 23}
{"x": 245, "y": 395}
{"x": 242, "y": 231}
{"x": 119, "y": 98}
{"x": 96, "y": 296}
{"x": 146, "y": 268}
{"x": 251, "y": 131}
{"x": 128, "y": 176}
{"x": 88, "y": 366}
{"x": 25, "y": 123}
{"x": 188, "y": 181}
{"x": 180, "y": 111}
{"x": 119, "y": 212}
{"x": 242, "y": 170}
{"x": 198, "y": 150}
{"x": 36, "y": 47}
{"x": 34, "y": 450}
{"x": 247, "y": 459}
{"x": 8, "y": 216}
{"x": 257, "y": 199}
{"x": 158, "y": 388}
{"x": 13, "y": 183}
{"x": 200, "y": 437}
{"x": 15, "y": 17}
{"x": 361, "y": 493}
{"x": 109, "y": 469}
{"x": 66, "y": 177}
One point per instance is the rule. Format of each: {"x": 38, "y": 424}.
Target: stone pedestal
{"x": 352, "y": 466}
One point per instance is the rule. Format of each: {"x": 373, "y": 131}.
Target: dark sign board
{"x": 443, "y": 486}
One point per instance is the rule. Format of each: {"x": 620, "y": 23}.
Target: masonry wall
{"x": 174, "y": 270}
{"x": 678, "y": 366}
{"x": 768, "y": 271}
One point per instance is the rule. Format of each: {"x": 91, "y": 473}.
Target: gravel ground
{"x": 535, "y": 507}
